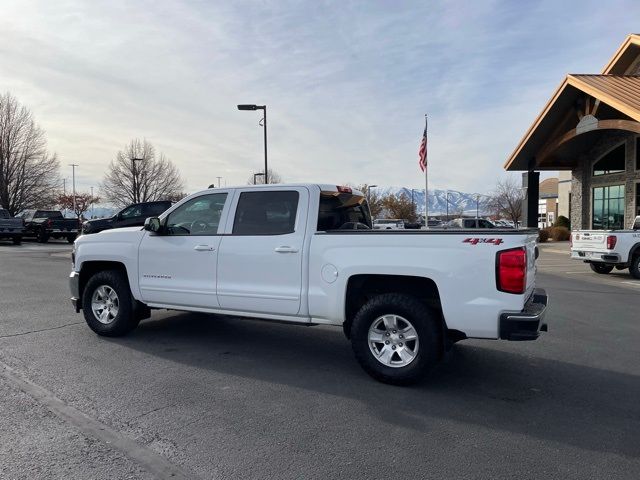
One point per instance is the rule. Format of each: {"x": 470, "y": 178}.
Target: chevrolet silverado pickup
{"x": 605, "y": 250}
{"x": 11, "y": 228}
{"x": 307, "y": 254}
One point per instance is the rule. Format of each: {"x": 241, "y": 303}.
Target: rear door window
{"x": 345, "y": 210}
{"x": 266, "y": 213}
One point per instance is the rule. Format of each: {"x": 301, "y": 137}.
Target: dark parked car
{"x": 46, "y": 224}
{"x": 131, "y": 216}
{"x": 11, "y": 228}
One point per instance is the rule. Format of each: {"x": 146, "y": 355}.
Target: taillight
{"x": 49, "y": 223}
{"x": 511, "y": 270}
{"x": 611, "y": 242}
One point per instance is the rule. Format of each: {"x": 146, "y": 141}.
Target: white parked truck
{"x": 605, "y": 250}
{"x": 307, "y": 254}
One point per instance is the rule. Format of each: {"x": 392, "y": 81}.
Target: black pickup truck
{"x": 46, "y": 224}
{"x": 11, "y": 228}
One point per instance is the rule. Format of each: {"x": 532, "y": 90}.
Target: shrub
{"x": 543, "y": 235}
{"x": 560, "y": 234}
{"x": 563, "y": 221}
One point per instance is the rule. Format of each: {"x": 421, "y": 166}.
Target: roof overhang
{"x": 551, "y": 128}
{"x": 624, "y": 56}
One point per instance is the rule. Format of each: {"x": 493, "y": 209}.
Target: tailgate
{"x": 593, "y": 240}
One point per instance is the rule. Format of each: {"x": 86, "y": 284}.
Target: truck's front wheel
{"x": 396, "y": 338}
{"x": 108, "y": 305}
{"x": 601, "y": 268}
{"x": 634, "y": 268}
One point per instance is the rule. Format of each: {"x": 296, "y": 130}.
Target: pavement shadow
{"x": 477, "y": 383}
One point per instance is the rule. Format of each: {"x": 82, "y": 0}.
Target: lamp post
{"x": 264, "y": 125}
{"x": 73, "y": 176}
{"x": 136, "y": 186}
{"x": 447, "y": 202}
{"x": 257, "y": 175}
{"x": 369, "y": 187}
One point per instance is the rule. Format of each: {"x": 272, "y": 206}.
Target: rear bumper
{"x": 528, "y": 323}
{"x": 589, "y": 256}
{"x": 74, "y": 287}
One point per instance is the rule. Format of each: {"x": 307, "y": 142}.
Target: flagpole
{"x": 426, "y": 182}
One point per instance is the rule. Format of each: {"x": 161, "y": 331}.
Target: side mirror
{"x": 152, "y": 224}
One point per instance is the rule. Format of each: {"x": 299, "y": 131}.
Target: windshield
{"x": 343, "y": 210}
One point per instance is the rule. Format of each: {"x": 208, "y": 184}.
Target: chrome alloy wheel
{"x": 393, "y": 341}
{"x": 105, "y": 304}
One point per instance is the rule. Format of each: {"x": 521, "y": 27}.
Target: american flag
{"x": 422, "y": 152}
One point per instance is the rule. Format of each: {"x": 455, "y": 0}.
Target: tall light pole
{"x": 92, "y": 202}
{"x": 73, "y": 181}
{"x": 257, "y": 175}
{"x": 136, "y": 186}
{"x": 264, "y": 125}
{"x": 218, "y": 181}
{"x": 447, "y": 202}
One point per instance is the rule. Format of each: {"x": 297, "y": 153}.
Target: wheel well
{"x": 635, "y": 250}
{"x": 93, "y": 267}
{"x": 361, "y": 288}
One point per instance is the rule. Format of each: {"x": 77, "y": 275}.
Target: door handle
{"x": 286, "y": 249}
{"x": 204, "y": 248}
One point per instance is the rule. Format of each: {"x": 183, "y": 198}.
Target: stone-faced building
{"x": 590, "y": 127}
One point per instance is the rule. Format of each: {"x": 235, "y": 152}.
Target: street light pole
{"x": 264, "y": 125}
{"x": 218, "y": 181}
{"x": 447, "y": 202}
{"x": 92, "y": 202}
{"x": 73, "y": 176}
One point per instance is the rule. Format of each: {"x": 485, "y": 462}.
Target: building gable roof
{"x": 624, "y": 57}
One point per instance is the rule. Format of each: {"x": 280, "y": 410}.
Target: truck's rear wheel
{"x": 107, "y": 304}
{"x": 71, "y": 238}
{"x": 16, "y": 240}
{"x": 43, "y": 236}
{"x": 396, "y": 338}
{"x": 601, "y": 268}
{"x": 634, "y": 268}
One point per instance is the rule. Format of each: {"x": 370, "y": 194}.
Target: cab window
{"x": 199, "y": 216}
{"x": 266, "y": 213}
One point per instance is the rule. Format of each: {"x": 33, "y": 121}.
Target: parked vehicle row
{"x": 131, "y": 216}
{"x": 308, "y": 254}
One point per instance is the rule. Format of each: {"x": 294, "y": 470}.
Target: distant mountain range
{"x": 458, "y": 201}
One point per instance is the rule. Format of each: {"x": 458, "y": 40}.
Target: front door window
{"x": 608, "y": 207}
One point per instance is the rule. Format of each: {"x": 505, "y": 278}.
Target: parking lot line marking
{"x": 152, "y": 462}
{"x": 631, "y": 282}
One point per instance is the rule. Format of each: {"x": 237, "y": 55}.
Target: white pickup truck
{"x": 605, "y": 250}
{"x": 306, "y": 254}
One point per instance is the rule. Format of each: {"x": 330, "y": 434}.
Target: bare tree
{"x": 274, "y": 177}
{"x": 506, "y": 200}
{"x": 29, "y": 176}
{"x": 138, "y": 175}
{"x": 373, "y": 199}
{"x": 400, "y": 207}
{"x": 82, "y": 204}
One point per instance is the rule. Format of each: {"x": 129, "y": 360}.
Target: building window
{"x": 608, "y": 207}
{"x": 637, "y": 199}
{"x": 612, "y": 162}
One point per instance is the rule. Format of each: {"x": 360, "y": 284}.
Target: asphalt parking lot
{"x": 197, "y": 396}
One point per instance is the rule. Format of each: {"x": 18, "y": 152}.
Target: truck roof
{"x": 324, "y": 187}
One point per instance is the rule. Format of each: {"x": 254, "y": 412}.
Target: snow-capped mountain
{"x": 458, "y": 201}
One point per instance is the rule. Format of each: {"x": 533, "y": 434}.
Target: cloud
{"x": 346, "y": 83}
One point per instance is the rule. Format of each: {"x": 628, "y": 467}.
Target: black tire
{"x": 634, "y": 268}
{"x": 71, "y": 238}
{"x": 601, "y": 268}
{"x": 16, "y": 240}
{"x": 125, "y": 320}
{"x": 425, "y": 321}
{"x": 43, "y": 236}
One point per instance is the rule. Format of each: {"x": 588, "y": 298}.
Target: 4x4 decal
{"x": 475, "y": 241}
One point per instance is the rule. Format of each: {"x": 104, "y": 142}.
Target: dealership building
{"x": 590, "y": 132}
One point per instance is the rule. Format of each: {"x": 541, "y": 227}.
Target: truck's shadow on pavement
{"x": 477, "y": 383}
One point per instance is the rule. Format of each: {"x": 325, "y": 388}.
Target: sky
{"x": 346, "y": 83}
